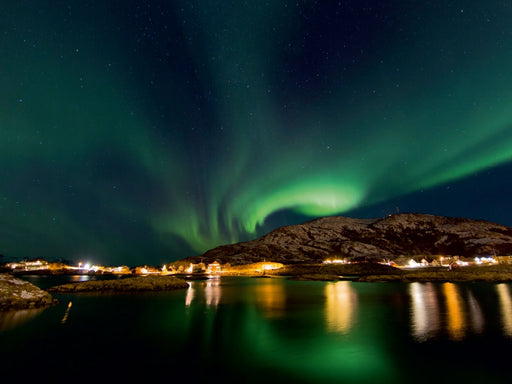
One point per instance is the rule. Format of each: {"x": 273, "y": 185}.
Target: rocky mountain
{"x": 406, "y": 234}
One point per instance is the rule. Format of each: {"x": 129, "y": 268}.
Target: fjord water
{"x": 254, "y": 330}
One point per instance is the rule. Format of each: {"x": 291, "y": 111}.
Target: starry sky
{"x": 142, "y": 132}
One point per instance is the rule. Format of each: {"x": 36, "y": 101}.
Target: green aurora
{"x": 142, "y": 132}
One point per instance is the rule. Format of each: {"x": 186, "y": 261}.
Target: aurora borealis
{"x": 139, "y": 132}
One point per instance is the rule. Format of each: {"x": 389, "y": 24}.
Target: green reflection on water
{"x": 310, "y": 331}
{"x": 236, "y": 330}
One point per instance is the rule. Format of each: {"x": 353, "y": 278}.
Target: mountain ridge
{"x": 391, "y": 237}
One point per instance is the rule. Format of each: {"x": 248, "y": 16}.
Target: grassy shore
{"x": 130, "y": 284}
{"x": 490, "y": 273}
{"x": 368, "y": 272}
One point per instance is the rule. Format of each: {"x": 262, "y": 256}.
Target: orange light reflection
{"x": 455, "y": 313}
{"x": 271, "y": 297}
{"x": 341, "y": 306}
{"x": 506, "y": 308}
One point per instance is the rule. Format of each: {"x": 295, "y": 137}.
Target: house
{"x": 214, "y": 267}
{"x": 503, "y": 259}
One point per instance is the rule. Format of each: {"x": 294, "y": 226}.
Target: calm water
{"x": 243, "y": 330}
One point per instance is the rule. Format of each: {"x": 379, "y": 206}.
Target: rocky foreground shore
{"x": 20, "y": 294}
{"x": 129, "y": 284}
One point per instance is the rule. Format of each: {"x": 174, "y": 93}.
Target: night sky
{"x": 141, "y": 132}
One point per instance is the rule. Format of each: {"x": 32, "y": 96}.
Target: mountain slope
{"x": 406, "y": 234}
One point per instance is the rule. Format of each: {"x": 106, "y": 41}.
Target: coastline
{"x": 357, "y": 273}
{"x": 18, "y": 294}
{"x": 374, "y": 272}
{"x": 129, "y": 284}
{"x": 442, "y": 276}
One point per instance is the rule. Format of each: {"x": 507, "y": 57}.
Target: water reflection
{"x": 66, "y": 314}
{"x": 12, "y": 319}
{"x": 425, "y": 310}
{"x": 190, "y": 294}
{"x": 301, "y": 345}
{"x": 341, "y": 306}
{"x": 505, "y": 308}
{"x": 79, "y": 278}
{"x": 448, "y": 310}
{"x": 475, "y": 314}
{"x": 271, "y": 297}
{"x": 456, "y": 322}
{"x": 212, "y": 292}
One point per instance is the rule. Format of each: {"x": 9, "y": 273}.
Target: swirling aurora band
{"x": 147, "y": 130}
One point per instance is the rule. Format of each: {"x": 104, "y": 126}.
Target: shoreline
{"x": 362, "y": 272}
{"x": 19, "y": 294}
{"x": 128, "y": 284}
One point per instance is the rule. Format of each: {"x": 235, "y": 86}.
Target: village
{"x": 41, "y": 266}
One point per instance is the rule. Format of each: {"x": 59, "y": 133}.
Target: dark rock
{"x": 20, "y": 294}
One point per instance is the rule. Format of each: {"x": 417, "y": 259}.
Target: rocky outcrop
{"x": 130, "y": 284}
{"x": 391, "y": 237}
{"x": 20, "y": 294}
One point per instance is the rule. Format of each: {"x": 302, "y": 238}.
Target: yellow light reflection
{"x": 66, "y": 314}
{"x": 425, "y": 311}
{"x": 77, "y": 278}
{"x": 341, "y": 306}
{"x": 212, "y": 291}
{"x": 271, "y": 297}
{"x": 12, "y": 319}
{"x": 190, "y": 294}
{"x": 506, "y": 308}
{"x": 455, "y": 312}
{"x": 475, "y": 314}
